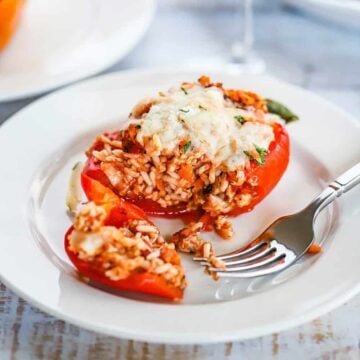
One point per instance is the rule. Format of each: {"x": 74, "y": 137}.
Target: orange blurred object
{"x": 9, "y": 17}
{"x": 314, "y": 249}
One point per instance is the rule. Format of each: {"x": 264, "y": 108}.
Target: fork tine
{"x": 257, "y": 256}
{"x": 257, "y": 264}
{"x": 243, "y": 252}
{"x": 238, "y": 253}
{"x": 279, "y": 251}
{"x": 288, "y": 259}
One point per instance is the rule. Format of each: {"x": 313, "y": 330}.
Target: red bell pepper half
{"x": 267, "y": 175}
{"x": 119, "y": 211}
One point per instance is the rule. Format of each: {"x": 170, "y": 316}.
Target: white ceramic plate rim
{"x": 187, "y": 335}
{"x": 117, "y": 53}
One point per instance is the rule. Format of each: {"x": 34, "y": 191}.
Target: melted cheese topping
{"x": 204, "y": 117}
{"x": 85, "y": 244}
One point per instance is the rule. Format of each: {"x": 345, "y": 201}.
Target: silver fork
{"x": 290, "y": 238}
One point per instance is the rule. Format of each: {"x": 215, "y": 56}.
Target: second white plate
{"x": 61, "y": 41}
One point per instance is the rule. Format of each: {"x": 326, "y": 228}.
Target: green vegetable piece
{"x": 262, "y": 153}
{"x": 284, "y": 112}
{"x": 186, "y": 146}
{"x": 184, "y": 90}
{"x": 184, "y": 110}
{"x": 239, "y": 119}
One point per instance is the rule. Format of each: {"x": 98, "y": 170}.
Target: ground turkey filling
{"x": 135, "y": 247}
{"x": 174, "y": 151}
{"x": 188, "y": 147}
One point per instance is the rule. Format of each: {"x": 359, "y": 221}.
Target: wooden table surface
{"x": 320, "y": 56}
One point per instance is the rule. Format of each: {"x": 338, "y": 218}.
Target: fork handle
{"x": 339, "y": 186}
{"x": 347, "y": 180}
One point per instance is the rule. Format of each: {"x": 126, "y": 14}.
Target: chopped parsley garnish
{"x": 184, "y": 90}
{"x": 121, "y": 133}
{"x": 186, "y": 146}
{"x": 262, "y": 155}
{"x": 239, "y": 119}
{"x": 202, "y": 107}
{"x": 184, "y": 110}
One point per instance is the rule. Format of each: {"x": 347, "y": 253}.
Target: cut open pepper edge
{"x": 118, "y": 211}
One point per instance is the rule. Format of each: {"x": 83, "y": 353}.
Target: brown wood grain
{"x": 28, "y": 333}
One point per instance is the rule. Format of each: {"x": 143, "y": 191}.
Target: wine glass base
{"x": 251, "y": 65}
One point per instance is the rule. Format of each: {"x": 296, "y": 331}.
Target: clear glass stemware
{"x": 243, "y": 56}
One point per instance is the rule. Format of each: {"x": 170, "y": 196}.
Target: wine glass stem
{"x": 242, "y": 48}
{"x": 248, "y": 25}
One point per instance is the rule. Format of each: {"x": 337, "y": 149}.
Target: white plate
{"x": 60, "y": 41}
{"x": 346, "y": 12}
{"x": 41, "y": 143}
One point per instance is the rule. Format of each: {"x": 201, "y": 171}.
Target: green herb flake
{"x": 262, "y": 155}
{"x": 186, "y": 146}
{"x": 76, "y": 165}
{"x": 121, "y": 133}
{"x": 239, "y": 119}
{"x": 184, "y": 90}
{"x": 184, "y": 110}
{"x": 274, "y": 107}
{"x": 202, "y": 107}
